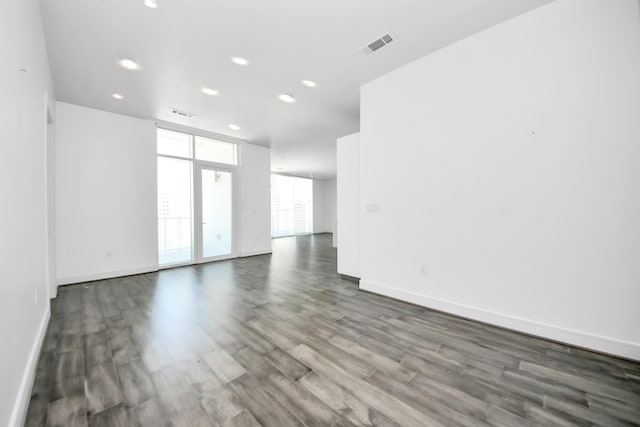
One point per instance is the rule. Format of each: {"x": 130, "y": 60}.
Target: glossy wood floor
{"x": 281, "y": 340}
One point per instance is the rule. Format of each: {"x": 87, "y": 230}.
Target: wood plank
{"x": 266, "y": 409}
{"x": 68, "y": 411}
{"x": 372, "y": 396}
{"x": 115, "y": 416}
{"x": 102, "y": 388}
{"x": 224, "y": 365}
{"x": 221, "y": 404}
{"x": 288, "y": 365}
{"x": 296, "y": 399}
{"x": 135, "y": 382}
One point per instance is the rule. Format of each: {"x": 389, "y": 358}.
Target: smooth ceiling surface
{"x": 186, "y": 44}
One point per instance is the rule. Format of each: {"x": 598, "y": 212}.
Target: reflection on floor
{"x": 281, "y": 340}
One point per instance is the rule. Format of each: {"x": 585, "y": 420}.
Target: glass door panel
{"x": 174, "y": 211}
{"x": 217, "y": 210}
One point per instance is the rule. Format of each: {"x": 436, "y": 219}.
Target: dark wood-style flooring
{"x": 280, "y": 340}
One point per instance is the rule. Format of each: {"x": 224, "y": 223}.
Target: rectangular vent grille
{"x": 181, "y": 113}
{"x": 377, "y": 44}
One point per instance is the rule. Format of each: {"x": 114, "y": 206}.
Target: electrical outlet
{"x": 424, "y": 270}
{"x": 108, "y": 254}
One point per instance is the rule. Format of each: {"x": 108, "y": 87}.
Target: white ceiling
{"x": 186, "y": 44}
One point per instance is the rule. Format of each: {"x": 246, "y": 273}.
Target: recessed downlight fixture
{"x": 151, "y": 4}
{"x": 309, "y": 83}
{"x": 239, "y": 61}
{"x": 288, "y": 98}
{"x": 117, "y": 96}
{"x": 210, "y": 91}
{"x": 234, "y": 127}
{"x": 129, "y": 64}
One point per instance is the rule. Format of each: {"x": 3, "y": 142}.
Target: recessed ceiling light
{"x": 309, "y": 83}
{"x": 152, "y": 4}
{"x": 209, "y": 91}
{"x": 129, "y": 64}
{"x": 118, "y": 96}
{"x": 285, "y": 97}
{"x": 234, "y": 127}
{"x": 239, "y": 61}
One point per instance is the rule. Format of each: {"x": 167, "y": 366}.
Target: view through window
{"x": 291, "y": 206}
{"x": 185, "y": 160}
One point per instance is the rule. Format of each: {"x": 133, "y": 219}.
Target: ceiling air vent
{"x": 377, "y": 44}
{"x": 181, "y": 113}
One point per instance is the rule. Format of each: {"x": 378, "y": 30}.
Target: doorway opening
{"x": 291, "y": 206}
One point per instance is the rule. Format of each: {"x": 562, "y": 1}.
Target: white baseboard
{"x": 19, "y": 412}
{"x": 253, "y": 253}
{"x": 106, "y": 275}
{"x": 627, "y": 349}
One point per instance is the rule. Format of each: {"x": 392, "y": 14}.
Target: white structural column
{"x": 348, "y": 194}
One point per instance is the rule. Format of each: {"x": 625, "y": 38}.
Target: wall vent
{"x": 181, "y": 113}
{"x": 377, "y": 44}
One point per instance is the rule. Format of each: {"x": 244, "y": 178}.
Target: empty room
{"x": 333, "y": 213}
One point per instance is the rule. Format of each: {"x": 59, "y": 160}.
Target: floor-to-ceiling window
{"x": 175, "y": 203}
{"x": 195, "y": 198}
{"x": 291, "y": 205}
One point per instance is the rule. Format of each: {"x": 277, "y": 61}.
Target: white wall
{"x": 24, "y": 307}
{"x": 319, "y": 222}
{"x": 330, "y": 208}
{"x": 106, "y": 194}
{"x": 348, "y": 205}
{"x": 255, "y": 193}
{"x": 507, "y": 164}
{"x": 324, "y": 205}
